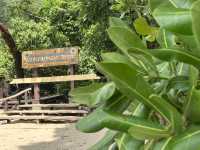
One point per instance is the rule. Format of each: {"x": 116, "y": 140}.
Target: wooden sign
{"x": 50, "y": 57}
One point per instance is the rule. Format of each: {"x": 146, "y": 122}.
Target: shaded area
{"x": 45, "y": 137}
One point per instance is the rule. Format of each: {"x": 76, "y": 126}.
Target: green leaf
{"x": 190, "y": 43}
{"x": 146, "y": 59}
{"x": 176, "y": 20}
{"x": 93, "y": 94}
{"x": 193, "y": 76}
{"x": 118, "y": 58}
{"x": 137, "y": 127}
{"x": 127, "y": 142}
{"x": 104, "y": 117}
{"x": 170, "y": 54}
{"x": 93, "y": 122}
{"x": 180, "y": 83}
{"x": 188, "y": 140}
{"x": 192, "y": 110}
{"x": 166, "y": 39}
{"x": 117, "y": 22}
{"x": 195, "y": 23}
{"x": 154, "y": 4}
{"x": 182, "y": 3}
{"x": 142, "y": 27}
{"x": 173, "y": 117}
{"x": 124, "y": 39}
{"x": 191, "y": 107}
{"x": 162, "y": 145}
{"x": 122, "y": 74}
{"x": 138, "y": 88}
{"x": 105, "y": 142}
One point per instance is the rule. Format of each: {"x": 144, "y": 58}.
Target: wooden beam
{"x": 48, "y": 118}
{"x": 55, "y": 79}
{"x": 14, "y": 96}
{"x": 50, "y": 105}
{"x": 44, "y": 112}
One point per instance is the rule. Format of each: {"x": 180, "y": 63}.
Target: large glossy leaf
{"x": 105, "y": 142}
{"x": 146, "y": 59}
{"x": 128, "y": 39}
{"x": 117, "y": 22}
{"x": 195, "y": 22}
{"x": 124, "y": 38}
{"x": 119, "y": 58}
{"x": 190, "y": 43}
{"x": 177, "y": 20}
{"x": 191, "y": 107}
{"x": 163, "y": 144}
{"x": 127, "y": 142}
{"x": 174, "y": 117}
{"x": 132, "y": 85}
{"x": 154, "y": 4}
{"x": 180, "y": 83}
{"x": 137, "y": 127}
{"x": 143, "y": 28}
{"x": 166, "y": 39}
{"x": 193, "y": 76}
{"x": 182, "y": 56}
{"x": 104, "y": 117}
{"x": 182, "y": 3}
{"x": 188, "y": 140}
{"x": 93, "y": 94}
{"x": 93, "y": 122}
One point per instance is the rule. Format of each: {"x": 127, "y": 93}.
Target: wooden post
{"x": 6, "y": 105}
{"x": 71, "y": 72}
{"x": 1, "y": 88}
{"x": 1, "y": 92}
{"x": 26, "y": 98}
{"x": 36, "y": 99}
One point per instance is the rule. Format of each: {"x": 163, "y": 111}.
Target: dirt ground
{"x": 29, "y": 136}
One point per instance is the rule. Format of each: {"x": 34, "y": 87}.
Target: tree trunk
{"x": 13, "y": 50}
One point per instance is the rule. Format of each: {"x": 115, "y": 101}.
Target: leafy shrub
{"x": 30, "y": 35}
{"x": 6, "y": 64}
{"x": 153, "y": 99}
{"x": 94, "y": 41}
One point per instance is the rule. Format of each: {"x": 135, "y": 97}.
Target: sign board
{"x": 50, "y": 57}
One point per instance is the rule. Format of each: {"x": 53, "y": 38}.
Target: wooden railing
{"x": 10, "y": 98}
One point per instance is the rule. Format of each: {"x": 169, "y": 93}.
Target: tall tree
{"x": 13, "y": 50}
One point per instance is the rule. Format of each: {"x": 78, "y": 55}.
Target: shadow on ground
{"x": 65, "y": 138}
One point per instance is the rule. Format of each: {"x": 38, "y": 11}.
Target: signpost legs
{"x": 71, "y": 72}
{"x": 1, "y": 89}
{"x": 36, "y": 99}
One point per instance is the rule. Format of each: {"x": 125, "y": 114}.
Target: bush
{"x": 153, "y": 99}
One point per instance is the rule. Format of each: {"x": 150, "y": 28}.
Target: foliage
{"x": 156, "y": 100}
{"x": 30, "y": 35}
{"x": 55, "y": 23}
{"x": 94, "y": 41}
{"x": 6, "y": 65}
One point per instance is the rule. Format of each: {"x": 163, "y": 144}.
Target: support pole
{"x": 71, "y": 72}
{"x": 36, "y": 99}
{"x": 1, "y": 88}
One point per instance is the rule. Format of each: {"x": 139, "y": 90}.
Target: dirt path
{"x": 28, "y": 136}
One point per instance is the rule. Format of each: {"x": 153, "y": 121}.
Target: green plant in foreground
{"x": 153, "y": 99}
